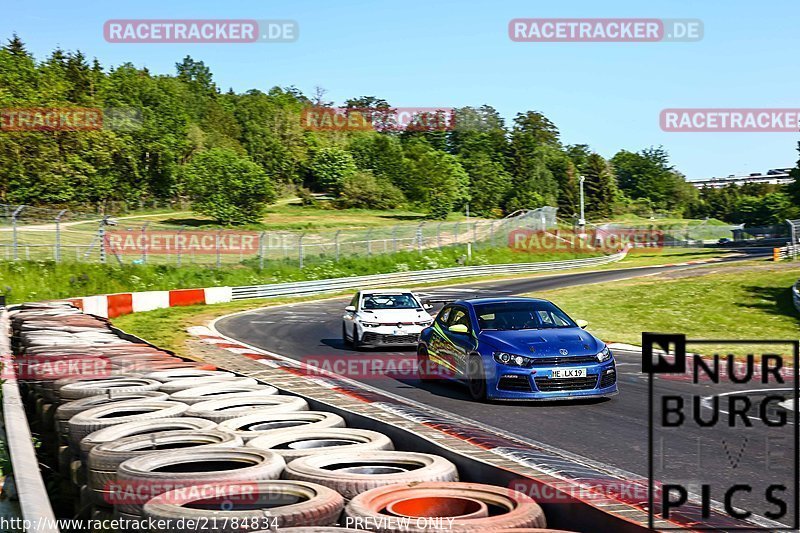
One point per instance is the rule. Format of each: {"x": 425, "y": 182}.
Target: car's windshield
{"x": 404, "y": 300}
{"x": 521, "y": 315}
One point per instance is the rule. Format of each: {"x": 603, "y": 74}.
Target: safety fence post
{"x": 419, "y": 236}
{"x": 178, "y": 246}
{"x": 57, "y": 255}
{"x": 15, "y": 242}
{"x": 336, "y": 243}
{"x": 144, "y": 243}
{"x": 300, "y": 249}
{"x": 217, "y": 243}
{"x": 261, "y": 250}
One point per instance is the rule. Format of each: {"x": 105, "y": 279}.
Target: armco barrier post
{"x": 776, "y": 254}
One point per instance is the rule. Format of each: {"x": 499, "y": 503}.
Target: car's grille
{"x": 377, "y": 338}
{"x": 608, "y": 379}
{"x": 514, "y": 383}
{"x": 551, "y": 385}
{"x": 564, "y": 360}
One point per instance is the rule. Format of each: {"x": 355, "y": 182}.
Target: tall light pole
{"x": 582, "y": 220}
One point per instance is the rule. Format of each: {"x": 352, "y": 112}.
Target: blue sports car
{"x": 516, "y": 349}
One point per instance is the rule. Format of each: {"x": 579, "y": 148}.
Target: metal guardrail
{"x": 790, "y": 251}
{"x": 33, "y": 499}
{"x": 414, "y": 277}
{"x": 796, "y": 295}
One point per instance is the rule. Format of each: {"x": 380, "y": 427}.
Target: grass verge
{"x": 43, "y": 280}
{"x": 167, "y": 327}
{"x": 749, "y": 301}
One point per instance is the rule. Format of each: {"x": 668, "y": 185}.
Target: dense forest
{"x": 231, "y": 153}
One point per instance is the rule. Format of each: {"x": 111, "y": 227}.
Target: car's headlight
{"x": 604, "y": 355}
{"x": 512, "y": 359}
{"x": 370, "y": 324}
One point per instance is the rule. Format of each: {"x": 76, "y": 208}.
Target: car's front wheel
{"x": 476, "y": 378}
{"x": 345, "y": 339}
{"x": 357, "y": 345}
{"x": 424, "y": 370}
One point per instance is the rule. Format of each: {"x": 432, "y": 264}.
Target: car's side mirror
{"x": 582, "y": 323}
{"x": 458, "y": 328}
{"x": 350, "y": 308}
{"x": 427, "y": 306}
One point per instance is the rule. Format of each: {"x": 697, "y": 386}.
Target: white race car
{"x": 384, "y": 317}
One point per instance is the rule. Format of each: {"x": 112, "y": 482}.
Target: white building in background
{"x": 775, "y": 176}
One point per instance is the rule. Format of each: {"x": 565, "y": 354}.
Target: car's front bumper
{"x": 390, "y": 336}
{"x": 512, "y": 383}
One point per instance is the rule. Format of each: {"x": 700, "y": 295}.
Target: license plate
{"x": 398, "y": 332}
{"x": 562, "y": 373}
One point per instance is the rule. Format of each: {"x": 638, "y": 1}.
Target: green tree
{"x": 600, "y": 187}
{"x": 330, "y": 167}
{"x": 228, "y": 187}
{"x": 527, "y": 192}
{"x": 436, "y": 180}
{"x": 488, "y": 182}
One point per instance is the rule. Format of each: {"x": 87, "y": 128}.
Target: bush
{"x": 364, "y": 190}
{"x": 228, "y": 187}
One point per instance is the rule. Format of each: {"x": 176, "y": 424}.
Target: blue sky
{"x": 456, "y": 53}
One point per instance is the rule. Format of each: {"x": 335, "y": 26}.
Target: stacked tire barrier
{"x": 142, "y": 440}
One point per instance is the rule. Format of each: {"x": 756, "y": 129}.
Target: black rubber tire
{"x": 147, "y": 474}
{"x": 318, "y": 505}
{"x": 83, "y": 389}
{"x": 89, "y": 421}
{"x": 221, "y": 410}
{"x": 424, "y": 366}
{"x": 142, "y": 427}
{"x": 345, "y": 340}
{"x": 69, "y": 409}
{"x": 221, "y": 391}
{"x": 317, "y": 469}
{"x": 521, "y": 511}
{"x": 165, "y": 376}
{"x": 256, "y": 425}
{"x": 357, "y": 345}
{"x": 105, "y": 458}
{"x": 339, "y": 440}
{"x": 476, "y": 378}
{"x": 177, "y": 385}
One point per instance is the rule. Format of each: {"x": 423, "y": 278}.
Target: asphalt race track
{"x": 611, "y": 431}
